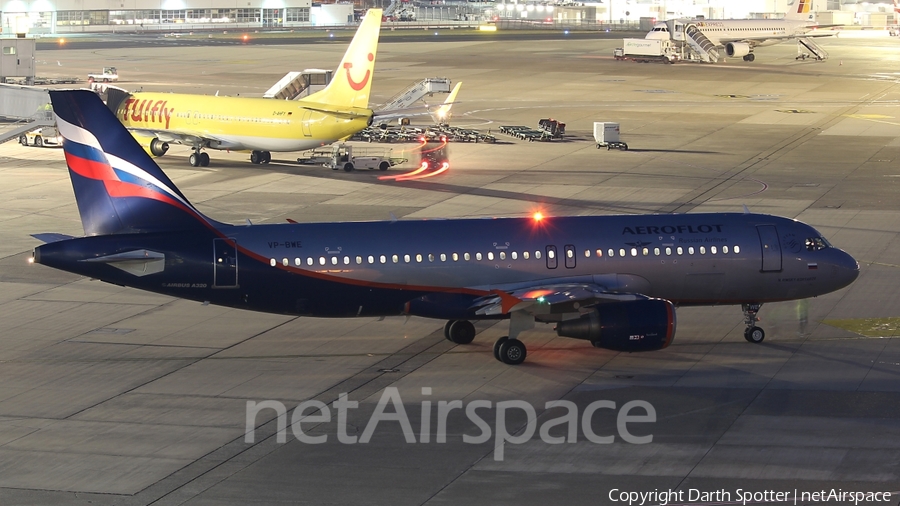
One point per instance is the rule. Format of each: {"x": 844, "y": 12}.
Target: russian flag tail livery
{"x": 800, "y": 10}
{"x": 118, "y": 187}
{"x": 351, "y": 82}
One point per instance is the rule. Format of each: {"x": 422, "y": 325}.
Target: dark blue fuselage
{"x": 437, "y": 268}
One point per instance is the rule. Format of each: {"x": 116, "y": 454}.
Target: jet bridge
{"x": 816, "y": 51}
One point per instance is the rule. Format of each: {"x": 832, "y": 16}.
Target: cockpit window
{"x": 816, "y": 243}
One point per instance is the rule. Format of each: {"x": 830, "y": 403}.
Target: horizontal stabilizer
{"x": 138, "y": 262}
{"x": 49, "y": 237}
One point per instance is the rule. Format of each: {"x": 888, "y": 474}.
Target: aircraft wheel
{"x": 497, "y": 346}
{"x": 751, "y": 57}
{"x": 383, "y": 166}
{"x": 265, "y": 157}
{"x": 255, "y": 157}
{"x": 23, "y": 140}
{"x": 348, "y": 167}
{"x": 461, "y": 332}
{"x": 754, "y": 335}
{"x": 512, "y": 352}
{"x": 447, "y": 329}
{"x": 194, "y": 159}
{"x": 204, "y": 159}
{"x": 39, "y": 142}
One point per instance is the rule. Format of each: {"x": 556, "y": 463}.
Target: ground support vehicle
{"x": 341, "y": 156}
{"x": 607, "y": 135}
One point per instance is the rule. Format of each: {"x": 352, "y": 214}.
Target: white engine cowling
{"x": 737, "y": 49}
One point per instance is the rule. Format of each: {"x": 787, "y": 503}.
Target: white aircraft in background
{"x": 741, "y": 36}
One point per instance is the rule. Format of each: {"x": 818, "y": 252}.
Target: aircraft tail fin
{"x": 800, "y": 10}
{"x": 442, "y": 114}
{"x": 350, "y": 85}
{"x": 118, "y": 188}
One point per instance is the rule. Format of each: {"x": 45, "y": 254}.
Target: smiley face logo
{"x": 361, "y": 84}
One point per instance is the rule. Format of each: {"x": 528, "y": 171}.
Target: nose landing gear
{"x": 752, "y": 333}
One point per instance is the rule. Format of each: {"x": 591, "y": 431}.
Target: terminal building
{"x": 74, "y": 16}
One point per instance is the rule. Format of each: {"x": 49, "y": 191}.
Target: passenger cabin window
{"x": 737, "y": 249}
{"x": 478, "y": 256}
{"x": 724, "y": 249}
{"x": 570, "y": 256}
{"x": 490, "y": 255}
{"x": 525, "y": 255}
{"x": 552, "y": 261}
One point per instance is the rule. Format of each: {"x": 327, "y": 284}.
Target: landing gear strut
{"x": 199, "y": 159}
{"x": 753, "y": 333}
{"x": 258, "y": 157}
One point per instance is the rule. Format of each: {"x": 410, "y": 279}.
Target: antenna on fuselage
{"x": 746, "y": 209}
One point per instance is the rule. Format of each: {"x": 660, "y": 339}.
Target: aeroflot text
{"x": 319, "y": 412}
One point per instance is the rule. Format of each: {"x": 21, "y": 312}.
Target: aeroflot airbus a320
{"x": 612, "y": 280}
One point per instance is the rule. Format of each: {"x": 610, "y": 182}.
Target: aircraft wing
{"x": 185, "y": 138}
{"x": 547, "y": 299}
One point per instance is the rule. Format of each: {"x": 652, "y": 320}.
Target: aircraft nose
{"x": 847, "y": 267}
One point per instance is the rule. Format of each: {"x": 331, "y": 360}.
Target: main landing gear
{"x": 508, "y": 350}
{"x": 749, "y": 57}
{"x": 199, "y": 159}
{"x": 258, "y": 157}
{"x": 753, "y": 333}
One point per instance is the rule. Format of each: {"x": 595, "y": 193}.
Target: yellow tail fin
{"x": 352, "y": 80}
{"x": 442, "y": 114}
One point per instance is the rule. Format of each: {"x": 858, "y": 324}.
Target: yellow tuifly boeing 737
{"x": 258, "y": 125}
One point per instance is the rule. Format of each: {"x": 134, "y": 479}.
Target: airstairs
{"x": 816, "y": 51}
{"x": 23, "y": 128}
{"x": 416, "y": 92}
{"x": 701, "y": 45}
{"x": 391, "y": 9}
{"x": 28, "y": 106}
{"x": 299, "y": 84}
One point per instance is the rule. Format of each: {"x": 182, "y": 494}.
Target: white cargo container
{"x": 607, "y": 135}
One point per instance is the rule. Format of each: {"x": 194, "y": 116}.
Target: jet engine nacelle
{"x": 158, "y": 147}
{"x": 152, "y": 145}
{"x": 737, "y": 49}
{"x": 641, "y": 325}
